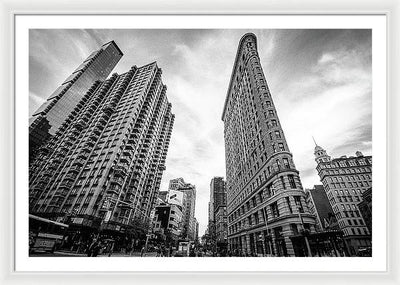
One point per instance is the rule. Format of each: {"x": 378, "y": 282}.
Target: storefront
{"x": 328, "y": 243}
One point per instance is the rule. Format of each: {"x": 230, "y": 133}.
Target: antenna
{"x": 314, "y": 141}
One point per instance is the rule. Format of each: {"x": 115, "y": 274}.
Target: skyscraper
{"x": 217, "y": 195}
{"x": 261, "y": 177}
{"x": 319, "y": 206}
{"x": 345, "y": 179}
{"x": 217, "y": 223}
{"x": 103, "y": 167}
{"x": 47, "y": 120}
{"x": 189, "y": 212}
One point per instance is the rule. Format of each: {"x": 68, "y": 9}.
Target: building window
{"x": 256, "y": 218}
{"x": 286, "y": 163}
{"x": 277, "y": 134}
{"x": 291, "y": 181}
{"x": 288, "y": 204}
{"x": 248, "y": 206}
{"x": 294, "y": 229}
{"x": 278, "y": 165}
{"x": 297, "y": 200}
{"x": 283, "y": 182}
{"x": 281, "y": 147}
{"x": 260, "y": 195}
{"x": 274, "y": 209}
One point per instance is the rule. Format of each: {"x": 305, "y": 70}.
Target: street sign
{"x": 175, "y": 197}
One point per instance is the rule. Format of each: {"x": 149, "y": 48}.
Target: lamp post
{"x": 260, "y": 238}
{"x": 108, "y": 215}
{"x": 304, "y": 233}
{"x": 268, "y": 237}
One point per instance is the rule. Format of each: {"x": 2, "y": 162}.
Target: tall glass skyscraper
{"x": 265, "y": 199}
{"x": 47, "y": 120}
{"x": 102, "y": 169}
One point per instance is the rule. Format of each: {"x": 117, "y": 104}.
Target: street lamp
{"x": 107, "y": 217}
{"x": 304, "y": 232}
{"x": 268, "y": 237}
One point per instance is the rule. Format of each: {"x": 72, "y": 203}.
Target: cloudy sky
{"x": 320, "y": 81}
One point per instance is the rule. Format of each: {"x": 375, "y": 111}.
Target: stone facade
{"x": 345, "y": 179}
{"x": 261, "y": 177}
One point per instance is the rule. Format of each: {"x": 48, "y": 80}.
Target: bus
{"x": 45, "y": 234}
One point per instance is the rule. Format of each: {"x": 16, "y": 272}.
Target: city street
{"x": 72, "y": 254}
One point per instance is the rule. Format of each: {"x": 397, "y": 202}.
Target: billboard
{"x": 175, "y": 197}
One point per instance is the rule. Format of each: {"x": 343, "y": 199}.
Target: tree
{"x": 183, "y": 234}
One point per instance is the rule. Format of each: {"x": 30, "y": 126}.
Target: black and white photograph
{"x": 200, "y": 143}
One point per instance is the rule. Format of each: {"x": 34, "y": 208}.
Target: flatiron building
{"x": 266, "y": 203}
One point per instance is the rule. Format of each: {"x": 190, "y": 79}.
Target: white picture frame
{"x": 10, "y": 10}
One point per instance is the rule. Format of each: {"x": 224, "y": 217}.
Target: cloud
{"x": 35, "y": 101}
{"x": 325, "y": 58}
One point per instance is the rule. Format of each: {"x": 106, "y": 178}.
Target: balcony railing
{"x": 117, "y": 180}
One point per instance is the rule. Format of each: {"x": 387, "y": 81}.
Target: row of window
{"x": 277, "y": 166}
{"x": 266, "y": 193}
{"x": 355, "y": 231}
{"x": 260, "y": 215}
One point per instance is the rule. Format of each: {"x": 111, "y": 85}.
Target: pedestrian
{"x": 111, "y": 249}
{"x": 142, "y": 252}
{"x": 96, "y": 248}
{"x": 129, "y": 249}
{"x": 90, "y": 248}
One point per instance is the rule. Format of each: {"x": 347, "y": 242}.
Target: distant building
{"x": 221, "y": 229}
{"x": 188, "y": 225}
{"x": 365, "y": 207}
{"x": 319, "y": 205}
{"x": 167, "y": 220}
{"x": 175, "y": 184}
{"x": 190, "y": 207}
{"x": 197, "y": 231}
{"x": 217, "y": 195}
{"x": 52, "y": 114}
{"x": 345, "y": 179}
{"x": 217, "y": 220}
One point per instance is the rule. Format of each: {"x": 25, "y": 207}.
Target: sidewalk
{"x": 115, "y": 254}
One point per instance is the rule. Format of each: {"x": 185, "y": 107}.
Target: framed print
{"x": 225, "y": 143}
